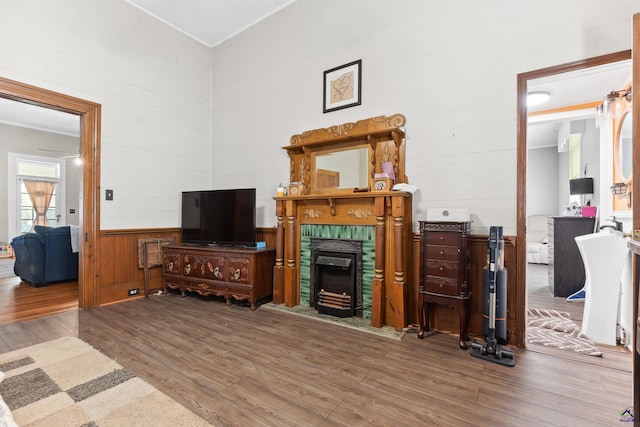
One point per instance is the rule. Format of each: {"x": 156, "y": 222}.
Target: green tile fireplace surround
{"x": 364, "y": 233}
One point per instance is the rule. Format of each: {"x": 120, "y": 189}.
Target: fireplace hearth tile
{"x": 355, "y": 323}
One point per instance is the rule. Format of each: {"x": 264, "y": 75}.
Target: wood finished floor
{"x": 21, "y": 301}
{"x": 236, "y": 367}
{"x": 539, "y": 295}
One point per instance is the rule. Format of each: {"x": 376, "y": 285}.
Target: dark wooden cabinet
{"x": 444, "y": 271}
{"x": 239, "y": 273}
{"x": 566, "y": 269}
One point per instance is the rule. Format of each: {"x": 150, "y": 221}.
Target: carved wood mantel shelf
{"x": 334, "y": 203}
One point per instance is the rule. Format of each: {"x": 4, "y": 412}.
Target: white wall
{"x": 542, "y": 181}
{"x": 594, "y": 154}
{"x": 153, "y": 84}
{"x": 28, "y": 141}
{"x": 450, "y": 67}
{"x": 591, "y": 157}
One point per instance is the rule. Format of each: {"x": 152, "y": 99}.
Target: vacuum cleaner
{"x": 494, "y": 314}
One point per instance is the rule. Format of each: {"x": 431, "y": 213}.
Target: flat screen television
{"x": 580, "y": 186}
{"x": 222, "y": 217}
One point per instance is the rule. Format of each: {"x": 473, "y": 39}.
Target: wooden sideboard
{"x": 239, "y": 273}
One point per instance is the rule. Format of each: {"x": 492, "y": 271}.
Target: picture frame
{"x": 342, "y": 87}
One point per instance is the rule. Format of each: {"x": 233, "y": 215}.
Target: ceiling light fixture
{"x": 537, "y": 98}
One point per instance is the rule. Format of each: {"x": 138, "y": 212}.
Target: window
{"x": 575, "y": 163}
{"x": 45, "y": 176}
{"x": 28, "y": 212}
{"x": 575, "y": 155}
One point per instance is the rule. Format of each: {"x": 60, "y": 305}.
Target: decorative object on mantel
{"x": 383, "y": 181}
{"x": 342, "y": 86}
{"x": 382, "y": 184}
{"x": 296, "y": 189}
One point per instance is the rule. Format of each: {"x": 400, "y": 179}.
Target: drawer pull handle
{"x": 441, "y": 268}
{"x": 441, "y": 286}
{"x": 441, "y": 252}
{"x": 441, "y": 237}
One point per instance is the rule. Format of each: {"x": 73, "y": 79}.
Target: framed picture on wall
{"x": 342, "y": 86}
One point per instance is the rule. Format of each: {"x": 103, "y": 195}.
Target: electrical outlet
{"x": 108, "y": 194}
{"x": 135, "y": 291}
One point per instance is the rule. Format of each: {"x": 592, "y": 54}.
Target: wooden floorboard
{"x": 237, "y": 367}
{"x": 20, "y": 301}
{"x": 539, "y": 296}
{"x": 234, "y": 367}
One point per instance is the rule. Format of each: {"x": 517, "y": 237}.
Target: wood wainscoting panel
{"x": 118, "y": 269}
{"x": 118, "y": 265}
{"x": 267, "y": 235}
{"x": 446, "y": 319}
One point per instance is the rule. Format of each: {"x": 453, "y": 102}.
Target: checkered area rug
{"x": 66, "y": 382}
{"x": 553, "y": 328}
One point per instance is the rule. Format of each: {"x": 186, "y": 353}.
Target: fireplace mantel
{"x": 388, "y": 213}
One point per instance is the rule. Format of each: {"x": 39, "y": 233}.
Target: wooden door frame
{"x": 635, "y": 206}
{"x": 521, "y": 238}
{"x": 89, "y": 113}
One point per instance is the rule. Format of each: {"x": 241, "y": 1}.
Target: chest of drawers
{"x": 444, "y": 272}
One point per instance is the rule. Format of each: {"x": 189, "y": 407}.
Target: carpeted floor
{"x": 553, "y": 328}
{"x": 66, "y": 382}
{"x": 6, "y": 267}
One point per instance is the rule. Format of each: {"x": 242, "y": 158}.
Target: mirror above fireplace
{"x": 340, "y": 169}
{"x": 341, "y": 158}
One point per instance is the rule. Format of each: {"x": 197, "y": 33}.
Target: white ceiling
{"x": 210, "y": 22}
{"x": 213, "y": 21}
{"x": 33, "y": 117}
{"x": 570, "y": 89}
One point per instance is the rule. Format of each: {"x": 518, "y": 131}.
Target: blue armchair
{"x": 45, "y": 256}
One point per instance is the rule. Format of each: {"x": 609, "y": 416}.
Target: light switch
{"x": 108, "y": 194}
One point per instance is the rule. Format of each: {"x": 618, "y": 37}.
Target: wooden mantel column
{"x": 278, "y": 269}
{"x": 399, "y": 276}
{"x": 291, "y": 293}
{"x": 378, "y": 285}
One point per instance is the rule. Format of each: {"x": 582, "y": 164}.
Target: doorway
{"x": 528, "y": 82}
{"x": 89, "y": 218}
